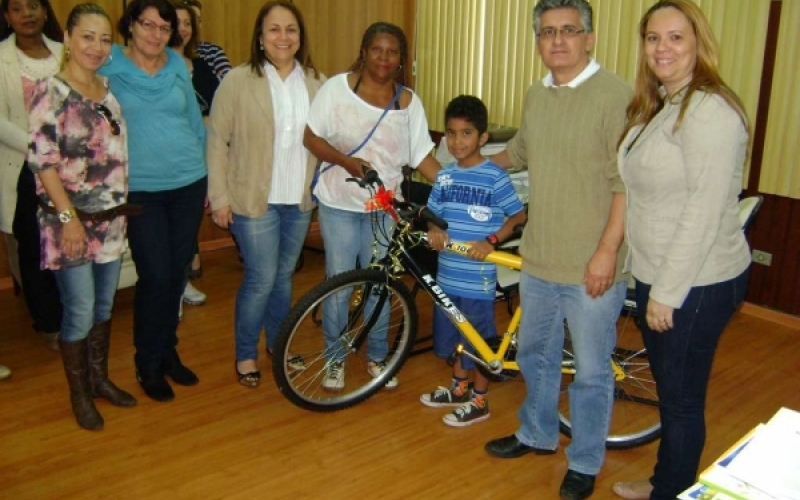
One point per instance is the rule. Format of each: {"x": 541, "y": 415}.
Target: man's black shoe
{"x": 510, "y": 447}
{"x": 576, "y": 486}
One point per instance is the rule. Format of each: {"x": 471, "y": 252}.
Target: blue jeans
{"x": 162, "y": 240}
{"x": 87, "y": 294}
{"x": 592, "y": 326}
{"x": 270, "y": 246}
{"x": 479, "y": 312}
{"x": 349, "y": 238}
{"x": 680, "y": 360}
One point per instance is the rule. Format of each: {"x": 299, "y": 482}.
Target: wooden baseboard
{"x": 211, "y": 245}
{"x": 772, "y": 315}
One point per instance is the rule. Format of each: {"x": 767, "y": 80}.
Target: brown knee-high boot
{"x": 76, "y": 366}
{"x": 102, "y": 387}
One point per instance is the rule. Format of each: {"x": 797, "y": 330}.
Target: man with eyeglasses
{"x": 572, "y": 244}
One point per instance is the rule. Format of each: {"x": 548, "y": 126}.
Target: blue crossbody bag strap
{"x": 321, "y": 170}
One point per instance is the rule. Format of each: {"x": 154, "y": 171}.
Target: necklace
{"x": 36, "y": 69}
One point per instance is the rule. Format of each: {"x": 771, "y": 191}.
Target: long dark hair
{"x": 257, "y": 54}
{"x": 51, "y": 29}
{"x": 166, "y": 11}
{"x": 190, "y": 50}
{"x": 381, "y": 28}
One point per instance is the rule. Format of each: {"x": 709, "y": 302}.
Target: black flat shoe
{"x": 576, "y": 486}
{"x": 155, "y": 386}
{"x": 249, "y": 379}
{"x": 511, "y": 447}
{"x": 177, "y": 371}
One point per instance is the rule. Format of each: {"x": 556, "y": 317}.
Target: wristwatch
{"x": 493, "y": 240}
{"x": 67, "y": 215}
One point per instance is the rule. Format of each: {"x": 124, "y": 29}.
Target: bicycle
{"x": 380, "y": 306}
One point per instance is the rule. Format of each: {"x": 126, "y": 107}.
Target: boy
{"x": 474, "y": 196}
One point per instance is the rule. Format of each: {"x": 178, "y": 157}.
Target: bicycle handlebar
{"x": 384, "y": 199}
{"x": 414, "y": 212}
{"x": 370, "y": 177}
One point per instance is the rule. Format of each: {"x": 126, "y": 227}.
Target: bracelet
{"x": 493, "y": 240}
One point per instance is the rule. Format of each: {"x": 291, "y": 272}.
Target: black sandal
{"x": 250, "y": 379}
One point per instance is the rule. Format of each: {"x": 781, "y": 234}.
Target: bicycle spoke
{"x": 374, "y": 318}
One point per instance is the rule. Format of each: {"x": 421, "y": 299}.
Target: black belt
{"x": 102, "y": 215}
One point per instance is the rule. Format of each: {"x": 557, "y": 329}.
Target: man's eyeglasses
{"x": 151, "y": 27}
{"x": 106, "y": 113}
{"x": 566, "y": 32}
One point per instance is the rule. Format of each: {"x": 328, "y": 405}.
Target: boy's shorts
{"x": 479, "y": 312}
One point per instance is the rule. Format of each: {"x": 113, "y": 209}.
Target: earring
{"x": 261, "y": 45}
{"x": 108, "y": 60}
{"x": 66, "y": 53}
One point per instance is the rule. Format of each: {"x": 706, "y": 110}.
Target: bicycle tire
{"x": 300, "y": 337}
{"x": 635, "y": 419}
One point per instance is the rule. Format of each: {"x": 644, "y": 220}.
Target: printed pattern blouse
{"x": 75, "y": 135}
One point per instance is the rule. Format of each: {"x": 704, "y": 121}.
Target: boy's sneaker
{"x": 443, "y": 396}
{"x": 193, "y": 296}
{"x": 334, "y": 376}
{"x": 376, "y": 368}
{"x": 467, "y": 414}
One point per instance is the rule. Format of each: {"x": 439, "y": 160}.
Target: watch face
{"x": 65, "y": 216}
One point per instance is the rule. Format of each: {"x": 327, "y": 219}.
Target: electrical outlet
{"x": 762, "y": 257}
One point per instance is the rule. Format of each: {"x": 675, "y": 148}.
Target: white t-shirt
{"x": 340, "y": 117}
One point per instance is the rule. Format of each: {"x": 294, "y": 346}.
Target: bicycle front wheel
{"x": 635, "y": 419}
{"x": 365, "y": 318}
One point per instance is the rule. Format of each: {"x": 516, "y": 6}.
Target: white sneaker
{"x": 4, "y": 372}
{"x": 376, "y": 368}
{"x": 334, "y": 376}
{"x": 193, "y": 296}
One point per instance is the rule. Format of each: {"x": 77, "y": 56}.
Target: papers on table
{"x": 763, "y": 465}
{"x": 771, "y": 460}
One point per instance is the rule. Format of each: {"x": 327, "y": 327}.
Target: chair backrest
{"x": 748, "y": 208}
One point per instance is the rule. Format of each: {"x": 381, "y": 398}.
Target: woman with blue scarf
{"x": 166, "y": 144}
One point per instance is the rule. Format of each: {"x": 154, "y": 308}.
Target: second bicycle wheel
{"x": 365, "y": 319}
{"x": 635, "y": 416}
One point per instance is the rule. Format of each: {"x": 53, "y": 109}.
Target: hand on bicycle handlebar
{"x": 437, "y": 238}
{"x": 356, "y": 167}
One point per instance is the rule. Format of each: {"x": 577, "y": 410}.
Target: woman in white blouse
{"x": 30, "y": 50}
{"x": 259, "y": 172}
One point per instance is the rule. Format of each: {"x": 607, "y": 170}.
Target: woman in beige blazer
{"x": 682, "y": 160}
{"x": 259, "y": 173}
{"x": 28, "y": 52}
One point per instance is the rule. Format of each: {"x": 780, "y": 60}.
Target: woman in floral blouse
{"x": 78, "y": 151}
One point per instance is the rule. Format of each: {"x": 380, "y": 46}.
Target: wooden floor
{"x": 220, "y": 440}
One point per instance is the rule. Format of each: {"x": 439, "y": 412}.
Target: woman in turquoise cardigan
{"x": 168, "y": 172}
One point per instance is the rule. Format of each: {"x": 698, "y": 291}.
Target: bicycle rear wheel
{"x": 380, "y": 312}
{"x": 635, "y": 419}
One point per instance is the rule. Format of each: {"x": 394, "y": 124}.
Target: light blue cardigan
{"x": 166, "y": 134}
